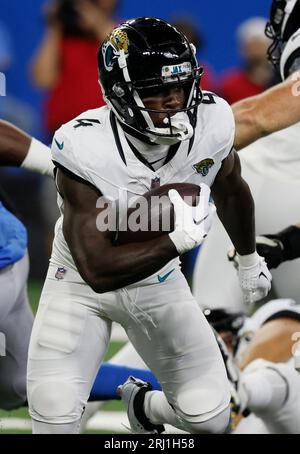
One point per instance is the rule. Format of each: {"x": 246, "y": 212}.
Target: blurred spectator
{"x": 66, "y": 62}
{"x": 12, "y": 108}
{"x": 255, "y": 74}
{"x": 193, "y": 33}
{"x": 26, "y": 201}
{"x": 5, "y": 48}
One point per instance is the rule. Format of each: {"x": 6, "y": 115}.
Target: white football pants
{"x": 164, "y": 323}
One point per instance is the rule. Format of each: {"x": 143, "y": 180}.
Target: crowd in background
{"x": 64, "y": 68}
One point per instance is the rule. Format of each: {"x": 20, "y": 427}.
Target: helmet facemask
{"x": 284, "y": 21}
{"x": 273, "y": 31}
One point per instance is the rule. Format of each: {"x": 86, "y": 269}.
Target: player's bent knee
{"x": 218, "y": 424}
{"x": 54, "y": 402}
{"x": 204, "y": 410}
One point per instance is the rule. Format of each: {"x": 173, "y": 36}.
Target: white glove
{"x": 191, "y": 223}
{"x": 255, "y": 278}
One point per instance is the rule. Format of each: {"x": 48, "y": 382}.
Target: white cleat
{"x": 133, "y": 393}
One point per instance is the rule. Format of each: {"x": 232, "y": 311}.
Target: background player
{"x": 271, "y": 166}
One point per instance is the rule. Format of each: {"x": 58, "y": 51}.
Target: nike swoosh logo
{"x": 165, "y": 276}
{"x": 60, "y": 145}
{"x": 201, "y": 220}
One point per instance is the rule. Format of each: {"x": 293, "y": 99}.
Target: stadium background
{"x": 218, "y": 21}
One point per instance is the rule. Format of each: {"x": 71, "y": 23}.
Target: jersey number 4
{"x": 209, "y": 98}
{"x": 86, "y": 122}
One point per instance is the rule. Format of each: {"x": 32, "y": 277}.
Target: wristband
{"x": 249, "y": 260}
{"x": 38, "y": 159}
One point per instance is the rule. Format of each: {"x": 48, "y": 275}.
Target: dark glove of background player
{"x": 275, "y": 248}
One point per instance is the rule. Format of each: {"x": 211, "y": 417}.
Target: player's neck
{"x": 147, "y": 149}
{"x": 155, "y": 154}
{"x": 133, "y": 133}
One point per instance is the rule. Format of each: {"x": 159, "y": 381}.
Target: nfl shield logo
{"x": 60, "y": 273}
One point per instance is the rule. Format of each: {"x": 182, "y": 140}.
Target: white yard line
{"x": 109, "y": 420}
{"x": 104, "y": 420}
{"x": 116, "y": 420}
{"x": 14, "y": 423}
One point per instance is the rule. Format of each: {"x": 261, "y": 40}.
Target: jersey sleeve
{"x": 229, "y": 133}
{"x": 65, "y": 153}
{"x": 290, "y": 58}
{"x": 223, "y": 126}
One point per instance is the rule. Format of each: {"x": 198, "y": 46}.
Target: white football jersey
{"x": 94, "y": 147}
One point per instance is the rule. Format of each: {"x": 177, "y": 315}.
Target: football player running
{"x": 158, "y": 126}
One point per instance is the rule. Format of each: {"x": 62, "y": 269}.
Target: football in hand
{"x": 152, "y": 214}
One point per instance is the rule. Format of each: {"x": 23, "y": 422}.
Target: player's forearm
{"x": 271, "y": 111}
{"x": 236, "y": 212}
{"x": 14, "y": 144}
{"x": 18, "y": 149}
{"x": 120, "y": 266}
{"x": 247, "y": 128}
{"x": 266, "y": 389}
